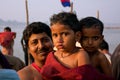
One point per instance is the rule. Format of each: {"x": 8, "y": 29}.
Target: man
{"x": 7, "y": 41}
{"x": 37, "y": 40}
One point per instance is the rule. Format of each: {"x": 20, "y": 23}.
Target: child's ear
{"x": 78, "y": 36}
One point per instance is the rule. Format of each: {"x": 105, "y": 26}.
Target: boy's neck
{"x": 91, "y": 54}
{"x": 64, "y": 54}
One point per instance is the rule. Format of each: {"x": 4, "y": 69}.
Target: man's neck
{"x": 39, "y": 64}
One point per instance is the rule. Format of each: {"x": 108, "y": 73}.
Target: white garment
{"x": 108, "y": 57}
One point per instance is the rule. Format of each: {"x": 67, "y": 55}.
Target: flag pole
{"x": 27, "y": 23}
{"x": 27, "y": 15}
{"x": 26, "y": 54}
{"x": 71, "y": 7}
{"x": 97, "y": 14}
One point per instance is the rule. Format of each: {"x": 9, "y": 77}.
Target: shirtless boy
{"x": 92, "y": 36}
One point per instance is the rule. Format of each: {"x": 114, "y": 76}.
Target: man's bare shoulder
{"x": 29, "y": 73}
{"x": 27, "y": 69}
{"x": 26, "y": 73}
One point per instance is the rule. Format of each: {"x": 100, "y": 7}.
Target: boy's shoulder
{"x": 82, "y": 51}
{"x": 82, "y": 54}
{"x": 101, "y": 56}
{"x": 82, "y": 57}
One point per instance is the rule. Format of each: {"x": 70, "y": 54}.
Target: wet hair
{"x": 35, "y": 28}
{"x": 89, "y": 22}
{"x": 7, "y": 29}
{"x": 66, "y": 18}
{"x": 115, "y": 59}
{"x": 104, "y": 45}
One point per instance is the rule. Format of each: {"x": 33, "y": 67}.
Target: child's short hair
{"x": 89, "y": 22}
{"x": 66, "y": 18}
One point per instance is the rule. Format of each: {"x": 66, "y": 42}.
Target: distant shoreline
{"x": 112, "y": 27}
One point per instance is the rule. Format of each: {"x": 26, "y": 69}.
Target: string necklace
{"x": 62, "y": 57}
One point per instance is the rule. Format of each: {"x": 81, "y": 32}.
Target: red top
{"x": 36, "y": 67}
{"x": 53, "y": 70}
{"x": 6, "y": 38}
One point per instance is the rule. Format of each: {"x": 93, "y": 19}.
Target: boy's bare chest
{"x": 69, "y": 61}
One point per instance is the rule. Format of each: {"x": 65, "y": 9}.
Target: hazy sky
{"x": 41, "y": 10}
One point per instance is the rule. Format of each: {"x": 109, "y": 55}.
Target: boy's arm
{"x": 106, "y": 66}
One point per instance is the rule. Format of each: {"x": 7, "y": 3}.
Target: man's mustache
{"x": 43, "y": 50}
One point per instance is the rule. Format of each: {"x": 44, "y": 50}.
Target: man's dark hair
{"x": 7, "y": 29}
{"x": 33, "y": 28}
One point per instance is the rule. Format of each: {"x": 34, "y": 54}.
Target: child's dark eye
{"x": 65, "y": 34}
{"x": 84, "y": 38}
{"x": 54, "y": 35}
{"x": 95, "y": 38}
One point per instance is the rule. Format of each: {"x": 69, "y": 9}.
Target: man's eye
{"x": 34, "y": 42}
{"x": 46, "y": 40}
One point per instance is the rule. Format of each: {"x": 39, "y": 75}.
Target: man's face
{"x": 39, "y": 46}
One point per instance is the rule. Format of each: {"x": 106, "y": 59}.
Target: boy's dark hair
{"x": 7, "y": 29}
{"x": 89, "y": 22}
{"x": 104, "y": 45}
{"x": 35, "y": 28}
{"x": 66, "y": 18}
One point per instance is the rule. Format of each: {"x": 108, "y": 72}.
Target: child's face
{"x": 91, "y": 38}
{"x": 63, "y": 37}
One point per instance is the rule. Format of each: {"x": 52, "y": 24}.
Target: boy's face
{"x": 63, "y": 37}
{"x": 39, "y": 46}
{"x": 91, "y": 38}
